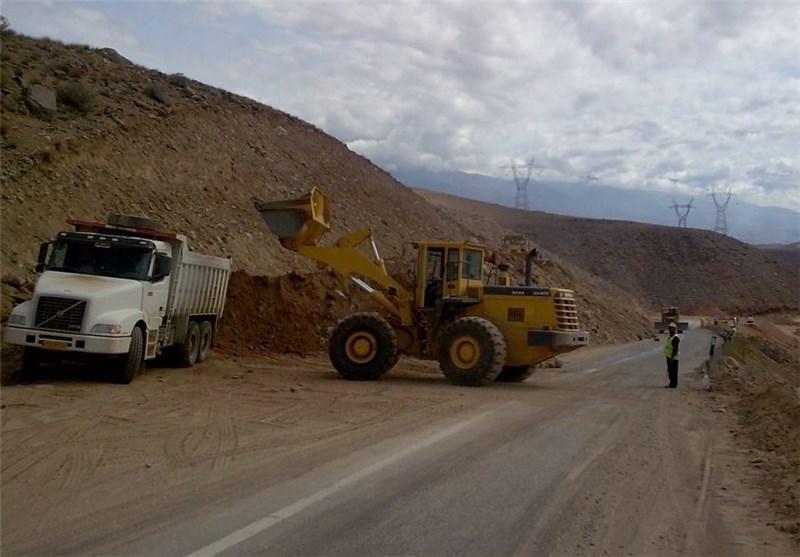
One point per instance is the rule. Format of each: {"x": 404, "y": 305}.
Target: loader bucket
{"x": 297, "y": 222}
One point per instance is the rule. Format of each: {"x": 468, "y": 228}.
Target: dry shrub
{"x": 178, "y": 79}
{"x": 8, "y": 103}
{"x": 76, "y": 95}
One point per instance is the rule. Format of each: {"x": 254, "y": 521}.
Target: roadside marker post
{"x": 707, "y": 371}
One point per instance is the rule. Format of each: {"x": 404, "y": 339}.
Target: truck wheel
{"x": 515, "y": 374}
{"x": 206, "y": 335}
{"x": 186, "y": 353}
{"x": 31, "y": 363}
{"x": 133, "y": 360}
{"x": 472, "y": 352}
{"x": 363, "y": 347}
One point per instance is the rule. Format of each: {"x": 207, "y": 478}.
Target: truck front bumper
{"x": 66, "y": 342}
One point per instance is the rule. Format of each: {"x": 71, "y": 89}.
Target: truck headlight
{"x": 103, "y": 329}
{"x": 18, "y": 319}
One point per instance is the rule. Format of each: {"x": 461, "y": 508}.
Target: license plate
{"x": 55, "y": 344}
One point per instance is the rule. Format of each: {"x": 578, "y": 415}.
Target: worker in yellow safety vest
{"x": 671, "y": 353}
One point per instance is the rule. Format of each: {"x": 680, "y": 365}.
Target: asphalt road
{"x": 515, "y": 478}
{"x": 595, "y": 459}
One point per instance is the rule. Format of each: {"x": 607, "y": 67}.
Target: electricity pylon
{"x": 521, "y": 199}
{"x": 682, "y": 211}
{"x": 721, "y": 222}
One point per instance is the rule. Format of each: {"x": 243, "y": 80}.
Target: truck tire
{"x": 472, "y": 352}
{"x": 363, "y": 347}
{"x": 132, "y": 362}
{"x": 130, "y": 221}
{"x": 186, "y": 352}
{"x": 31, "y": 364}
{"x": 515, "y": 374}
{"x": 206, "y": 336}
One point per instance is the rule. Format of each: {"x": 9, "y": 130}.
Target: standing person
{"x": 671, "y": 353}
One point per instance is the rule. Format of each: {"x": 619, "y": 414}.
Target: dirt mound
{"x": 286, "y": 314}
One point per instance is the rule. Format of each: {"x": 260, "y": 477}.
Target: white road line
{"x": 701, "y": 501}
{"x": 290, "y": 510}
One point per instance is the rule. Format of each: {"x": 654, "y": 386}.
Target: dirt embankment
{"x": 757, "y": 380}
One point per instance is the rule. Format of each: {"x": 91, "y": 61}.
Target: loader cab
{"x": 448, "y": 270}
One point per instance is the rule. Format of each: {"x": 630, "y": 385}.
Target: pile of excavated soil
{"x": 287, "y": 314}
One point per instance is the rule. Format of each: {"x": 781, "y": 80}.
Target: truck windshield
{"x": 101, "y": 258}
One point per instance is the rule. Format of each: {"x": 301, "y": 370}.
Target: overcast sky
{"x": 644, "y": 95}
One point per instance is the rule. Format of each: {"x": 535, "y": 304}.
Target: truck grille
{"x": 566, "y": 314}
{"x": 60, "y": 314}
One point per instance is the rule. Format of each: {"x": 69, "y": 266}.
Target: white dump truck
{"x": 125, "y": 288}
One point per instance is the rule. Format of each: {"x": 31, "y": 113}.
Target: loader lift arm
{"x": 299, "y": 225}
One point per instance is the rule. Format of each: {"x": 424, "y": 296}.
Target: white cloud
{"x": 631, "y": 92}
{"x": 69, "y": 22}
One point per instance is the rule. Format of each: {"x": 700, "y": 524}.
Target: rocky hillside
{"x": 86, "y": 133}
{"x": 698, "y": 270}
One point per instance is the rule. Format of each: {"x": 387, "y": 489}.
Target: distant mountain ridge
{"x": 747, "y": 222}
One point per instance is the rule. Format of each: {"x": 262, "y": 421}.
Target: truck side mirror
{"x": 42, "y": 258}
{"x": 162, "y": 267}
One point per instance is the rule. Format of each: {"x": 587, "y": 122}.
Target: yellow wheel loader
{"x": 670, "y": 315}
{"x": 515, "y": 243}
{"x": 478, "y": 332}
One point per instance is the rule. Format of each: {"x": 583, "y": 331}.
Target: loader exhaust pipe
{"x": 534, "y": 253}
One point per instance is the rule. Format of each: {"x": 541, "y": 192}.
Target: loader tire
{"x": 363, "y": 347}
{"x": 132, "y": 362}
{"x": 186, "y": 353}
{"x": 472, "y": 352}
{"x": 515, "y": 374}
{"x": 206, "y": 336}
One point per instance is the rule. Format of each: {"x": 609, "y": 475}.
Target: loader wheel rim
{"x": 361, "y": 347}
{"x": 465, "y": 352}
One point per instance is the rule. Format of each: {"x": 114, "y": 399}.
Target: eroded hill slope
{"x": 700, "y": 271}
{"x": 86, "y": 133}
{"x": 119, "y": 138}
